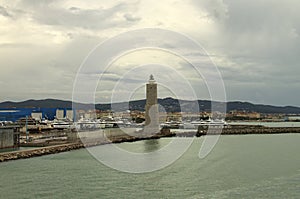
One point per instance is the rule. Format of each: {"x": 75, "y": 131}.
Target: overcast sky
{"x": 255, "y": 45}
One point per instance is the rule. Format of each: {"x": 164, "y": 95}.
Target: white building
{"x": 70, "y": 114}
{"x": 59, "y": 114}
{"x": 37, "y": 116}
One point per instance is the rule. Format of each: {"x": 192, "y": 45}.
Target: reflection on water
{"x": 145, "y": 146}
{"x": 151, "y": 145}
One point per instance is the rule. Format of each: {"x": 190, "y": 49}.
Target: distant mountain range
{"x": 169, "y": 104}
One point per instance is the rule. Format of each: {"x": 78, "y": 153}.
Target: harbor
{"x": 51, "y": 130}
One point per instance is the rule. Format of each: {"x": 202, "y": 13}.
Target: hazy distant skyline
{"x": 255, "y": 44}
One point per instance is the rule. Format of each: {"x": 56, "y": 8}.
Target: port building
{"x": 14, "y": 114}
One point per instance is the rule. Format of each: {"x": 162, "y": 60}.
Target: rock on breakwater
{"x": 244, "y": 130}
{"x": 38, "y": 151}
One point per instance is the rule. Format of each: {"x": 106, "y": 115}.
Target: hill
{"x": 169, "y": 104}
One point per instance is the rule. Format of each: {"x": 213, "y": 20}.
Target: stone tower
{"x": 151, "y": 115}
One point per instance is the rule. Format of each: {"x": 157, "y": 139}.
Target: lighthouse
{"x": 151, "y": 108}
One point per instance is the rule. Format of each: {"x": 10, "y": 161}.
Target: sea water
{"x": 239, "y": 166}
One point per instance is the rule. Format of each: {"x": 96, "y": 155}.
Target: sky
{"x": 255, "y": 46}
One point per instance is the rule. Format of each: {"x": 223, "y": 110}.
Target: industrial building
{"x": 14, "y": 114}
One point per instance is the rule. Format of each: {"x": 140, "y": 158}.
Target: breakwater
{"x": 244, "y": 130}
{"x": 77, "y": 144}
{"x": 38, "y": 151}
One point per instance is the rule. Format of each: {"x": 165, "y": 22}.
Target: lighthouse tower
{"x": 151, "y": 115}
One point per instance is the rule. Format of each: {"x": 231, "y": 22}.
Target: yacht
{"x": 58, "y": 124}
{"x": 209, "y": 122}
{"x": 172, "y": 125}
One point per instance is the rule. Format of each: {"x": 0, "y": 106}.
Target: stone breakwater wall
{"x": 245, "y": 130}
{"x": 78, "y": 144}
{"x": 38, "y": 152}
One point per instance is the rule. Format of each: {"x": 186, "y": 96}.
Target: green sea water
{"x": 245, "y": 166}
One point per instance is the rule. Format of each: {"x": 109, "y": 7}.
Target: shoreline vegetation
{"x": 73, "y": 142}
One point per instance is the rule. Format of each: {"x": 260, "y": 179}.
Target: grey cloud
{"x": 131, "y": 18}
{"x": 16, "y": 45}
{"x": 217, "y": 9}
{"x": 263, "y": 29}
{"x": 43, "y": 72}
{"x": 260, "y": 43}
{"x": 255, "y": 43}
{"x": 74, "y": 9}
{"x": 48, "y": 13}
{"x": 256, "y": 28}
{"x": 4, "y": 12}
